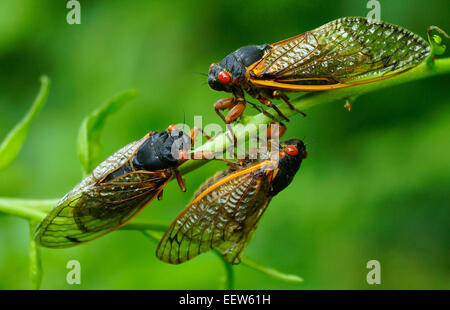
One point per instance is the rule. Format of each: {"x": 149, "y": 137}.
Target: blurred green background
{"x": 375, "y": 186}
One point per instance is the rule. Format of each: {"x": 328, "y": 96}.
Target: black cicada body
{"x": 116, "y": 190}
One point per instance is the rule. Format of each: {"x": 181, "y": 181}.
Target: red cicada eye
{"x": 183, "y": 155}
{"x": 212, "y": 65}
{"x": 224, "y": 77}
{"x": 172, "y": 127}
{"x": 292, "y": 150}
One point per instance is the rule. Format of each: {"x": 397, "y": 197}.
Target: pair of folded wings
{"x": 341, "y": 53}
{"x": 97, "y": 206}
{"x": 223, "y": 215}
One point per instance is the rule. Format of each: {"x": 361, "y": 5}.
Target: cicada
{"x": 345, "y": 52}
{"x": 116, "y": 190}
{"x": 226, "y": 209}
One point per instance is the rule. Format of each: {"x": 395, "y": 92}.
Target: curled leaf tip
{"x": 437, "y": 46}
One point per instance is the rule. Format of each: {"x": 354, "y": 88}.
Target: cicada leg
{"x": 269, "y": 103}
{"x": 194, "y": 133}
{"x": 236, "y": 106}
{"x": 273, "y": 133}
{"x": 222, "y": 104}
{"x": 279, "y": 95}
{"x": 203, "y": 154}
{"x": 180, "y": 181}
{"x": 261, "y": 110}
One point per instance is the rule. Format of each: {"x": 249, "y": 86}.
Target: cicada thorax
{"x": 116, "y": 190}
{"x": 226, "y": 209}
{"x": 345, "y": 52}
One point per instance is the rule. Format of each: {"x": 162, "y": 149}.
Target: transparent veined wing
{"x": 98, "y": 209}
{"x": 101, "y": 202}
{"x": 341, "y": 53}
{"x": 223, "y": 215}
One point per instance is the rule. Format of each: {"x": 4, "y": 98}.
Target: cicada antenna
{"x": 201, "y": 73}
{"x": 308, "y": 142}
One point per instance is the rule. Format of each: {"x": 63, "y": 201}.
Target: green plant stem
{"x": 229, "y": 271}
{"x": 270, "y": 271}
{"x": 145, "y": 225}
{"x": 29, "y": 209}
{"x": 35, "y": 261}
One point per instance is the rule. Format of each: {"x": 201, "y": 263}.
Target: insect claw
{"x": 160, "y": 195}
{"x": 269, "y": 103}
{"x": 278, "y": 95}
{"x": 295, "y": 109}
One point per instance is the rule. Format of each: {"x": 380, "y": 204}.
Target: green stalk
{"x": 29, "y": 209}
{"x": 35, "y": 261}
{"x": 229, "y": 271}
{"x": 271, "y": 271}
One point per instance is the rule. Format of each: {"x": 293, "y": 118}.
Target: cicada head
{"x": 230, "y": 72}
{"x": 163, "y": 150}
{"x": 291, "y": 154}
{"x": 292, "y": 150}
{"x": 179, "y": 143}
{"x": 220, "y": 77}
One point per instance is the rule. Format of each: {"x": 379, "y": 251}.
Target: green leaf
{"x": 35, "y": 261}
{"x": 271, "y": 271}
{"x": 10, "y": 147}
{"x": 90, "y": 130}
